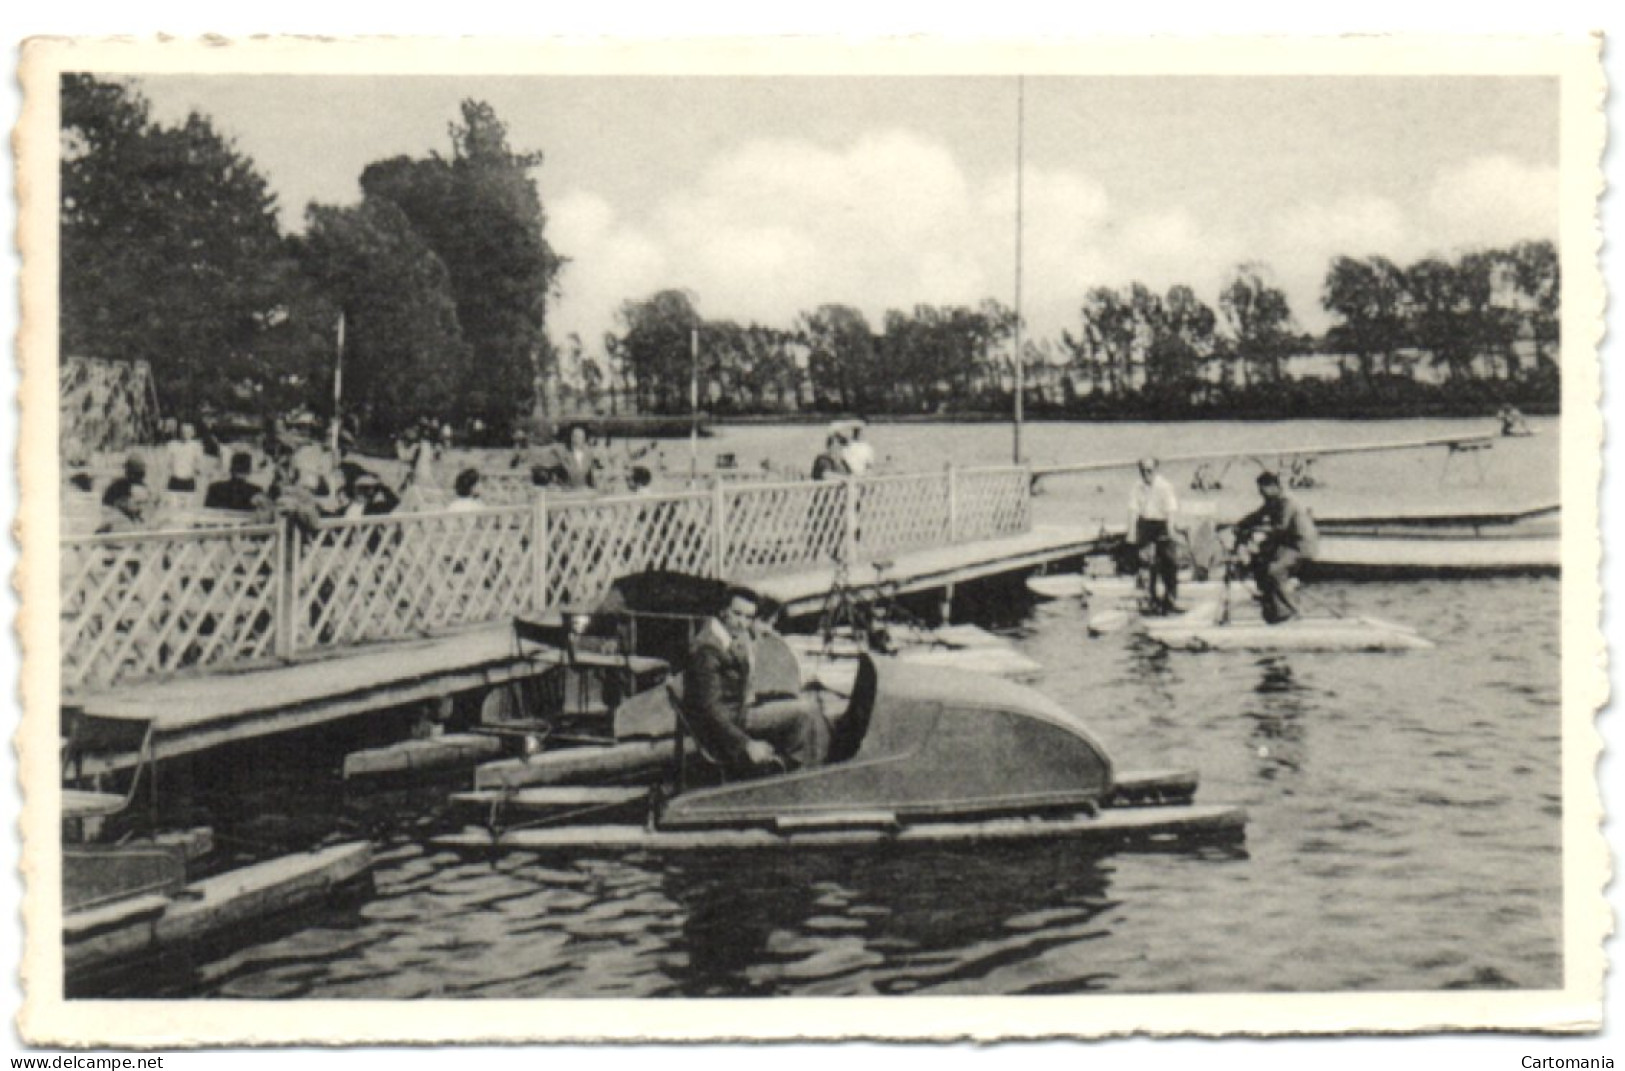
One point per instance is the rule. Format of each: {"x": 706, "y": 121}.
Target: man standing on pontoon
{"x": 1151, "y": 509}
{"x": 1289, "y": 538}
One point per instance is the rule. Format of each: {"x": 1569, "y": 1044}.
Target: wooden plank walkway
{"x": 194, "y": 713}
{"x": 1452, "y": 442}
{"x": 935, "y": 567}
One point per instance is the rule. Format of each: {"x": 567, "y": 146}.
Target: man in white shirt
{"x": 1151, "y": 509}
{"x": 858, "y": 455}
{"x": 185, "y": 459}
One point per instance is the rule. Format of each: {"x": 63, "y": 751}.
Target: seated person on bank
{"x": 744, "y": 738}
{"x": 238, "y": 493}
{"x": 128, "y": 503}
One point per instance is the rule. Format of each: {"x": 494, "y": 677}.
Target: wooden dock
{"x": 196, "y": 711}
{"x": 937, "y": 567}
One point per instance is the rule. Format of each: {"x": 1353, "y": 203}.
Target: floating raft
{"x": 1113, "y": 588}
{"x": 1202, "y": 614}
{"x": 1301, "y": 634}
{"x": 1139, "y": 787}
{"x": 419, "y": 756}
{"x": 137, "y": 927}
{"x": 1112, "y": 827}
{"x": 967, "y": 647}
{"x": 1396, "y": 556}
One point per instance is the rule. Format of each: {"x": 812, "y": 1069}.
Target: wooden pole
{"x": 693, "y": 405}
{"x": 539, "y": 557}
{"x": 338, "y": 389}
{"x": 1021, "y": 109}
{"x": 719, "y": 526}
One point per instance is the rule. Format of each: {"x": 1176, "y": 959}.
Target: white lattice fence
{"x": 140, "y": 604}
{"x": 991, "y": 503}
{"x": 773, "y": 526}
{"x": 895, "y": 513}
{"x": 378, "y": 578}
{"x": 592, "y": 543}
{"x": 507, "y": 488}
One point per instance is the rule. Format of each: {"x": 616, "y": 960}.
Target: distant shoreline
{"x": 1242, "y": 416}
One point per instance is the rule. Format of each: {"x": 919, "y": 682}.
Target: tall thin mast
{"x": 693, "y": 404}
{"x": 1021, "y": 124}
{"x": 338, "y": 389}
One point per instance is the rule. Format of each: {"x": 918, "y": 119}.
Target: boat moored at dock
{"x": 921, "y": 755}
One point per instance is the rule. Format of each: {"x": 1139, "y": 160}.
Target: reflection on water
{"x": 1403, "y": 835}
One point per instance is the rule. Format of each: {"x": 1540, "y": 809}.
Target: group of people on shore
{"x": 846, "y": 453}
{"x": 580, "y": 460}
{"x": 300, "y": 476}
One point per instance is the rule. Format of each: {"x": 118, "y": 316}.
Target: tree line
{"x": 432, "y": 293}
{"x": 1488, "y": 320}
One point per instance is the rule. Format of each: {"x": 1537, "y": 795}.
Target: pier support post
{"x": 287, "y": 587}
{"x": 945, "y": 608}
{"x": 849, "y": 534}
{"x": 719, "y": 529}
{"x": 538, "y": 554}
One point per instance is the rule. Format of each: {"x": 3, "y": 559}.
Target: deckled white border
{"x": 170, "y": 1025}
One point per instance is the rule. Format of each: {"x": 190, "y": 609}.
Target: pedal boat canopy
{"x": 922, "y": 742}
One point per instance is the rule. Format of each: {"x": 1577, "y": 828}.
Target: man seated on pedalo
{"x": 782, "y": 734}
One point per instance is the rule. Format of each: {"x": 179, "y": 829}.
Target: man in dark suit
{"x": 237, "y": 493}
{"x": 718, "y": 700}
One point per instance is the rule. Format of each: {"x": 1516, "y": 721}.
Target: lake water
{"x": 1404, "y": 833}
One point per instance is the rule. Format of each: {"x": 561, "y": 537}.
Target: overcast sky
{"x": 770, "y": 196}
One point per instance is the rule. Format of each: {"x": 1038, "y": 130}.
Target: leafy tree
{"x": 1180, "y": 329}
{"x": 1537, "y": 277}
{"x": 404, "y": 354}
{"x": 1369, "y": 298}
{"x": 1434, "y": 290}
{"x": 655, "y": 349}
{"x": 1484, "y": 286}
{"x": 841, "y": 355}
{"x": 480, "y": 212}
{"x": 1104, "y": 347}
{"x": 171, "y": 254}
{"x": 1260, "y": 319}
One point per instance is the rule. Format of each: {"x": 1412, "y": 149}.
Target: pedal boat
{"x": 921, "y": 756}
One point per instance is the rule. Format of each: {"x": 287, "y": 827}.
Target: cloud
{"x": 891, "y": 220}
{"x": 1494, "y": 200}
{"x": 609, "y": 262}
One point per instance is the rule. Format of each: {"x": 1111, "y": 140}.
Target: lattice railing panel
{"x": 507, "y": 488}
{"x": 784, "y": 525}
{"x": 591, "y": 543}
{"x": 140, "y": 604}
{"x": 992, "y": 503}
{"x": 900, "y": 513}
{"x": 377, "y": 578}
